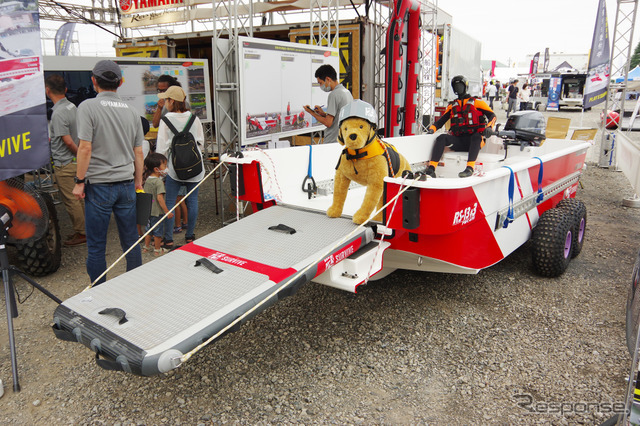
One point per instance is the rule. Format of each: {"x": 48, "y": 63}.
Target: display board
{"x": 140, "y": 76}
{"x": 276, "y": 81}
{"x": 24, "y": 141}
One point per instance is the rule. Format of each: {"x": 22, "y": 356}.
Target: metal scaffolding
{"x": 619, "y": 66}
{"x": 103, "y": 12}
{"x": 429, "y": 50}
{"x": 232, "y": 19}
{"x": 381, "y": 17}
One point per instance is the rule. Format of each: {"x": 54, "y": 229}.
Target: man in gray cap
{"x": 110, "y": 167}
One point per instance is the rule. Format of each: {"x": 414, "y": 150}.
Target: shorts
{"x": 182, "y": 191}
{"x": 158, "y": 231}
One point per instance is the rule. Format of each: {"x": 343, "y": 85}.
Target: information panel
{"x": 24, "y": 141}
{"x": 140, "y": 77}
{"x": 276, "y": 81}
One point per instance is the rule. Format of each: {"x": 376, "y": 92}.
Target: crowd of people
{"x": 101, "y": 159}
{"x": 517, "y": 98}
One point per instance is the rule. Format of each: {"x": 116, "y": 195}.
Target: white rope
{"x": 153, "y": 227}
{"x": 189, "y": 354}
{"x": 393, "y": 208}
{"x": 278, "y": 195}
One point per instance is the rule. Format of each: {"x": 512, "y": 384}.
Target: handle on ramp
{"x": 283, "y": 228}
{"x": 208, "y": 264}
{"x": 116, "y": 312}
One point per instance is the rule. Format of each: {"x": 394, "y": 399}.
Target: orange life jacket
{"x": 467, "y": 119}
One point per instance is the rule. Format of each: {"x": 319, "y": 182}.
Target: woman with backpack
{"x": 180, "y": 139}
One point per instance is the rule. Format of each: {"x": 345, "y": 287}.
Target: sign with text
{"x": 595, "y": 88}
{"x": 553, "y": 101}
{"x": 24, "y": 139}
{"x": 276, "y": 81}
{"x": 140, "y": 77}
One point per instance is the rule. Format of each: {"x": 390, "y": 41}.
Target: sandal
{"x": 158, "y": 252}
{"x": 146, "y": 249}
{"x": 177, "y": 229}
{"x": 190, "y": 239}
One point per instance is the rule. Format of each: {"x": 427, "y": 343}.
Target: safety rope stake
{"x": 300, "y": 273}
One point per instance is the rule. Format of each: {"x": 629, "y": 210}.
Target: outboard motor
{"x": 529, "y": 127}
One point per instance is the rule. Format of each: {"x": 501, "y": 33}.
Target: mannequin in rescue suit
{"x": 469, "y": 117}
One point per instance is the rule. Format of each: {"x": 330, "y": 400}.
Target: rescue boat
{"x": 153, "y": 318}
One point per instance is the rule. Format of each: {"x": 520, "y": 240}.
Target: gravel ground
{"x": 503, "y": 346}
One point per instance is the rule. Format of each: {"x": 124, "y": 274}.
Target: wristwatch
{"x": 76, "y": 179}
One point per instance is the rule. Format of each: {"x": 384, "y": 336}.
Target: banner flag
{"x": 534, "y": 63}
{"x": 546, "y": 60}
{"x": 595, "y": 89}
{"x": 493, "y": 68}
{"x": 24, "y": 138}
{"x": 553, "y": 101}
{"x": 64, "y": 36}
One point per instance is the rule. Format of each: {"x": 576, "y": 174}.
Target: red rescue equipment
{"x": 399, "y": 90}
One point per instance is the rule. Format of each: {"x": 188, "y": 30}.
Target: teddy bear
{"x": 365, "y": 159}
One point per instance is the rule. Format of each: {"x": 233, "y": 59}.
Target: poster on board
{"x": 276, "y": 81}
{"x": 139, "y": 80}
{"x": 24, "y": 139}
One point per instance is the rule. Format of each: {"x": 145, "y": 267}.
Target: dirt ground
{"x": 501, "y": 347}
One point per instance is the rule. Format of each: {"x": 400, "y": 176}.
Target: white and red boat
{"x": 146, "y": 320}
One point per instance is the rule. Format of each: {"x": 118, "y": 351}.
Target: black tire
{"x": 633, "y": 308}
{"x": 552, "y": 243}
{"x": 578, "y": 212}
{"x": 42, "y": 257}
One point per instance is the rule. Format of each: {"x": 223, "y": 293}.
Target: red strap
{"x": 275, "y": 274}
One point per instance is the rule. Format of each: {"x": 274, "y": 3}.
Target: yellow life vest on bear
{"x": 373, "y": 149}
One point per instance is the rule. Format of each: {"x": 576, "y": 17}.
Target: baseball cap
{"x": 106, "y": 70}
{"x": 174, "y": 92}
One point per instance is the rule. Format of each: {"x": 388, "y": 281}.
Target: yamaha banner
{"x": 534, "y": 63}
{"x": 595, "y": 88}
{"x": 64, "y": 35}
{"x": 24, "y": 140}
{"x": 546, "y": 60}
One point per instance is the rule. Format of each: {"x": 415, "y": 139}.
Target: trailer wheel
{"x": 552, "y": 243}
{"x": 633, "y": 308}
{"x": 43, "y": 256}
{"x": 578, "y": 212}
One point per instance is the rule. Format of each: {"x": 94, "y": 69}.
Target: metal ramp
{"x": 145, "y": 319}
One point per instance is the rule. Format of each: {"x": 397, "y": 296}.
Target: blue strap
{"x": 540, "y": 174}
{"x": 310, "y": 162}
{"x": 509, "y": 218}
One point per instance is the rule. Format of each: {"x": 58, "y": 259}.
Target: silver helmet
{"x": 359, "y": 109}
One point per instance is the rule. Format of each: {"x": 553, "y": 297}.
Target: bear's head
{"x": 356, "y": 132}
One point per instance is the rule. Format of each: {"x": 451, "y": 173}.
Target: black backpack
{"x": 184, "y": 153}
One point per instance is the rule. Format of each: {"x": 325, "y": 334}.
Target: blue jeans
{"x": 172, "y": 187}
{"x": 101, "y": 200}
